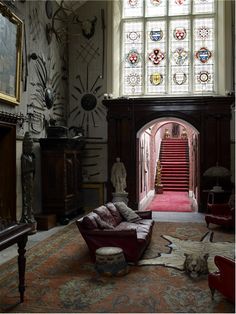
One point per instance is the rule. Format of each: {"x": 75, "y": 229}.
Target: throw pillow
{"x": 127, "y": 213}
{"x": 103, "y": 224}
{"x": 105, "y": 215}
{"x": 115, "y": 213}
{"x": 89, "y": 221}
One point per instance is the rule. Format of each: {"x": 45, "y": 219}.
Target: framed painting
{"x": 11, "y": 29}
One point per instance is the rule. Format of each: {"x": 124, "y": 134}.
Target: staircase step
{"x": 174, "y": 158}
{"x": 169, "y": 158}
{"x": 175, "y": 186}
{"x": 175, "y": 173}
{"x": 174, "y": 146}
{"x": 177, "y": 183}
{"x": 177, "y": 153}
{"x": 177, "y": 179}
{"x": 174, "y": 140}
{"x": 176, "y": 189}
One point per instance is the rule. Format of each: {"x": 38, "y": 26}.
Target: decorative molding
{"x": 11, "y": 117}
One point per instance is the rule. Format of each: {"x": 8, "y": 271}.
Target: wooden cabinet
{"x": 8, "y": 167}
{"x": 61, "y": 177}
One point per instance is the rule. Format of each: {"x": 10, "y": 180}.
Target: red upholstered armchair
{"x": 223, "y": 280}
{"x": 221, "y": 214}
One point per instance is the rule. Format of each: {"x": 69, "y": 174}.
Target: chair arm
{"x": 225, "y": 265}
{"x": 144, "y": 214}
{"x": 219, "y": 209}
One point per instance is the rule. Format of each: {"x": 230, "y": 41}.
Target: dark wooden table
{"x": 17, "y": 233}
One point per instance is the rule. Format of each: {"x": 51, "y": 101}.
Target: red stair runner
{"x": 175, "y": 164}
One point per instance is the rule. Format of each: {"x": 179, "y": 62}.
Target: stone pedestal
{"x": 120, "y": 197}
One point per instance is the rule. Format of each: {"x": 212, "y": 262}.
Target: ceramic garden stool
{"x": 110, "y": 261}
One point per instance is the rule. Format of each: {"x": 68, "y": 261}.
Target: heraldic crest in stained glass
{"x": 133, "y": 36}
{"x": 156, "y": 79}
{"x": 180, "y": 33}
{"x": 179, "y": 78}
{"x": 133, "y": 57}
{"x": 180, "y": 55}
{"x": 203, "y": 55}
{"x": 179, "y": 2}
{"x": 204, "y": 77}
{"x": 156, "y": 35}
{"x": 156, "y": 2}
{"x": 133, "y": 79}
{"x": 156, "y": 56}
{"x": 133, "y": 3}
{"x": 203, "y": 32}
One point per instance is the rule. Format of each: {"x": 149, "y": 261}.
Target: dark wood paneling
{"x": 61, "y": 176}
{"x": 8, "y": 170}
{"x": 209, "y": 115}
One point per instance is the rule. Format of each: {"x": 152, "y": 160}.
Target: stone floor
{"x": 11, "y": 252}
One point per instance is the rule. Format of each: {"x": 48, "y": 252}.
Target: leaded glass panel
{"x": 204, "y": 51}
{"x": 156, "y": 57}
{"x": 168, "y": 47}
{"x": 133, "y": 58}
{"x": 203, "y": 6}
{"x": 156, "y": 8}
{"x": 132, "y": 8}
{"x": 179, "y": 7}
{"x": 179, "y": 55}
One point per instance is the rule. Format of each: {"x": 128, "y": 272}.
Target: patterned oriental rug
{"x": 61, "y": 278}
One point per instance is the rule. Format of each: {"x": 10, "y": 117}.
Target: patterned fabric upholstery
{"x": 115, "y": 213}
{"x": 105, "y": 215}
{"x": 89, "y": 221}
{"x": 126, "y": 212}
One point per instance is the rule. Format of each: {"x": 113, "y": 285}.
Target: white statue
{"x": 118, "y": 176}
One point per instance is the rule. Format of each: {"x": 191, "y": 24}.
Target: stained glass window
{"x": 168, "y": 47}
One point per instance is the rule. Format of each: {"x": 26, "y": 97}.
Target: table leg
{"x": 21, "y": 266}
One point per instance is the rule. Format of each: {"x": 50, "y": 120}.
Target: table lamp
{"x": 217, "y": 172}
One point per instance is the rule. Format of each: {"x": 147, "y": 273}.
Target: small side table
{"x": 17, "y": 233}
{"x": 110, "y": 261}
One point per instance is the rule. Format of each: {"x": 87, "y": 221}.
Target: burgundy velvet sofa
{"x": 105, "y": 226}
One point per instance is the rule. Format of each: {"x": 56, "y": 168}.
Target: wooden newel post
{"x": 158, "y": 185}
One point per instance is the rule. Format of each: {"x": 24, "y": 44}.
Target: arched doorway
{"x": 209, "y": 115}
{"x": 149, "y": 139}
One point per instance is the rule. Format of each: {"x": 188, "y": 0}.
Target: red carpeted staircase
{"x": 174, "y": 159}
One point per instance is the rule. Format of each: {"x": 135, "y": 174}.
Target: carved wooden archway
{"x": 209, "y": 115}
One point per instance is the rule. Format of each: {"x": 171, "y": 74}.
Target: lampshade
{"x": 217, "y": 171}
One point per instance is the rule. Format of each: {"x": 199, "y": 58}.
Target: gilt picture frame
{"x": 11, "y": 33}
